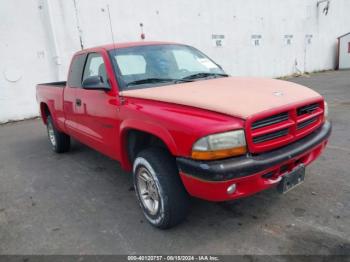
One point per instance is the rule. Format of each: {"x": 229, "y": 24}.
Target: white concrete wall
{"x": 38, "y": 37}
{"x": 344, "y": 55}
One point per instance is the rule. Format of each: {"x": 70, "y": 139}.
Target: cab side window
{"x": 76, "y": 71}
{"x": 95, "y": 67}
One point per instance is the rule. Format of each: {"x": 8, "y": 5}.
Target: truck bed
{"x": 51, "y": 94}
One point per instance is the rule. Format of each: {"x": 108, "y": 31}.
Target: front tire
{"x": 159, "y": 189}
{"x": 60, "y": 142}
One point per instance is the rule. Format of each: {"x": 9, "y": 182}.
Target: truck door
{"x": 69, "y": 96}
{"x": 96, "y": 110}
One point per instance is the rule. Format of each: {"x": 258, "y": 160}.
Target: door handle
{"x": 78, "y": 102}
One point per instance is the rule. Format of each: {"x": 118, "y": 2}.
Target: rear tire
{"x": 60, "y": 142}
{"x": 164, "y": 187}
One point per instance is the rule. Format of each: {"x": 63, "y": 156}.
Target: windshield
{"x": 154, "y": 65}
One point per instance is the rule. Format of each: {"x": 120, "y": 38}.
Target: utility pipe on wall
{"x": 76, "y": 11}
{"x": 51, "y": 22}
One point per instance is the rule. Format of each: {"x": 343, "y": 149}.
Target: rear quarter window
{"x": 76, "y": 71}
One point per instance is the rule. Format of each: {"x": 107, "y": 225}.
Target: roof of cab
{"x": 125, "y": 45}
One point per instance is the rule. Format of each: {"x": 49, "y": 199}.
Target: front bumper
{"x": 251, "y": 173}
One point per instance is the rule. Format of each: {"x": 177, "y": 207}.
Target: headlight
{"x": 220, "y": 145}
{"x": 325, "y": 110}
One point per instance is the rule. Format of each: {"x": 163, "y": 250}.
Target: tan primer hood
{"x": 236, "y": 96}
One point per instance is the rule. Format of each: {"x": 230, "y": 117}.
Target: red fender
{"x": 148, "y": 127}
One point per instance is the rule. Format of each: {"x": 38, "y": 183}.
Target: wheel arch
{"x": 149, "y": 133}
{"x": 44, "y": 112}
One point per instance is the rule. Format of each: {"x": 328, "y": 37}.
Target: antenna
{"x": 110, "y": 25}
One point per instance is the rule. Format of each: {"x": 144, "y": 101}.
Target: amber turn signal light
{"x": 218, "y": 154}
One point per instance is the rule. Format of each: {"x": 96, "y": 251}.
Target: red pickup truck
{"x": 171, "y": 115}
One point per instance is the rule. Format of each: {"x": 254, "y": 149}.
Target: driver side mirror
{"x": 95, "y": 83}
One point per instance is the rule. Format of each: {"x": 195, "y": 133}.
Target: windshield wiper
{"x": 157, "y": 80}
{"x": 202, "y": 75}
